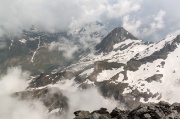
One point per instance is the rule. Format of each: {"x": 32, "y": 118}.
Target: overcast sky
{"x": 146, "y": 19}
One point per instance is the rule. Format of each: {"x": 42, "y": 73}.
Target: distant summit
{"x": 117, "y": 35}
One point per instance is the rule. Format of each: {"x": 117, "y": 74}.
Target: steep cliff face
{"x": 117, "y": 35}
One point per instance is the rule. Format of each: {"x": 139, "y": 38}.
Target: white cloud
{"x": 44, "y": 14}
{"x": 131, "y": 25}
{"x": 83, "y": 38}
{"x": 143, "y": 29}
{"x": 175, "y": 33}
{"x": 156, "y": 24}
{"x": 60, "y": 15}
{"x": 89, "y": 100}
{"x": 13, "y": 108}
{"x": 14, "y": 81}
{"x": 123, "y": 7}
{"x": 66, "y": 46}
{"x": 89, "y": 35}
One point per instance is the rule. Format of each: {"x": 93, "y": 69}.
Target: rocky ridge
{"x": 117, "y": 35}
{"x": 161, "y": 110}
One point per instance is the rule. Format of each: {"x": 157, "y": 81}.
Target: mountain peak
{"x": 117, "y": 35}
{"x": 120, "y": 28}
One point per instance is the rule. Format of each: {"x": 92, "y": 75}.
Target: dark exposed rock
{"x": 162, "y": 103}
{"x": 117, "y": 113}
{"x": 134, "y": 64}
{"x": 101, "y": 111}
{"x": 115, "y": 90}
{"x": 48, "y": 78}
{"x": 157, "y": 114}
{"x": 143, "y": 111}
{"x": 99, "y": 66}
{"x": 81, "y": 113}
{"x": 155, "y": 77}
{"x": 51, "y": 97}
{"x": 176, "y": 106}
{"x": 115, "y": 36}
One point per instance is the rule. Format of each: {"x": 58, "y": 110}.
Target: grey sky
{"x": 146, "y": 19}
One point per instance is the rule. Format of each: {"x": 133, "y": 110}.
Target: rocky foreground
{"x": 161, "y": 110}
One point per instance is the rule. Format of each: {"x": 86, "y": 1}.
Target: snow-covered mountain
{"x": 121, "y": 67}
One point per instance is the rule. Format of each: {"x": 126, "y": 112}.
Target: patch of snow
{"x": 155, "y": 47}
{"x": 11, "y": 43}
{"x": 42, "y": 87}
{"x": 120, "y": 78}
{"x": 34, "y": 38}
{"x": 89, "y": 82}
{"x": 23, "y": 41}
{"x": 170, "y": 83}
{"x": 108, "y": 74}
{"x": 87, "y": 72}
{"x": 34, "y": 53}
{"x": 55, "y": 111}
{"x": 154, "y": 100}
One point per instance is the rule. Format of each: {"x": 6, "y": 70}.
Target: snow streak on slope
{"x": 151, "y": 78}
{"x": 154, "y": 47}
{"x": 108, "y": 74}
{"x": 122, "y": 52}
{"x": 87, "y": 72}
{"x": 34, "y": 53}
{"x": 166, "y": 81}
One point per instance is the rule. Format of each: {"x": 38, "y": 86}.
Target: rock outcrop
{"x": 161, "y": 110}
{"x": 117, "y": 35}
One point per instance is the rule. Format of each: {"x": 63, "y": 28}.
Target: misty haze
{"x": 85, "y": 59}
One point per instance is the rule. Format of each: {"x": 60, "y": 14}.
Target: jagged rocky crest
{"x": 117, "y": 35}
{"x": 161, "y": 110}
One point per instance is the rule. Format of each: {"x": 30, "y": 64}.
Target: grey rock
{"x": 95, "y": 116}
{"x": 82, "y": 113}
{"x": 144, "y": 111}
{"x": 147, "y": 116}
{"x": 117, "y": 35}
{"x": 158, "y": 115}
{"x": 166, "y": 104}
